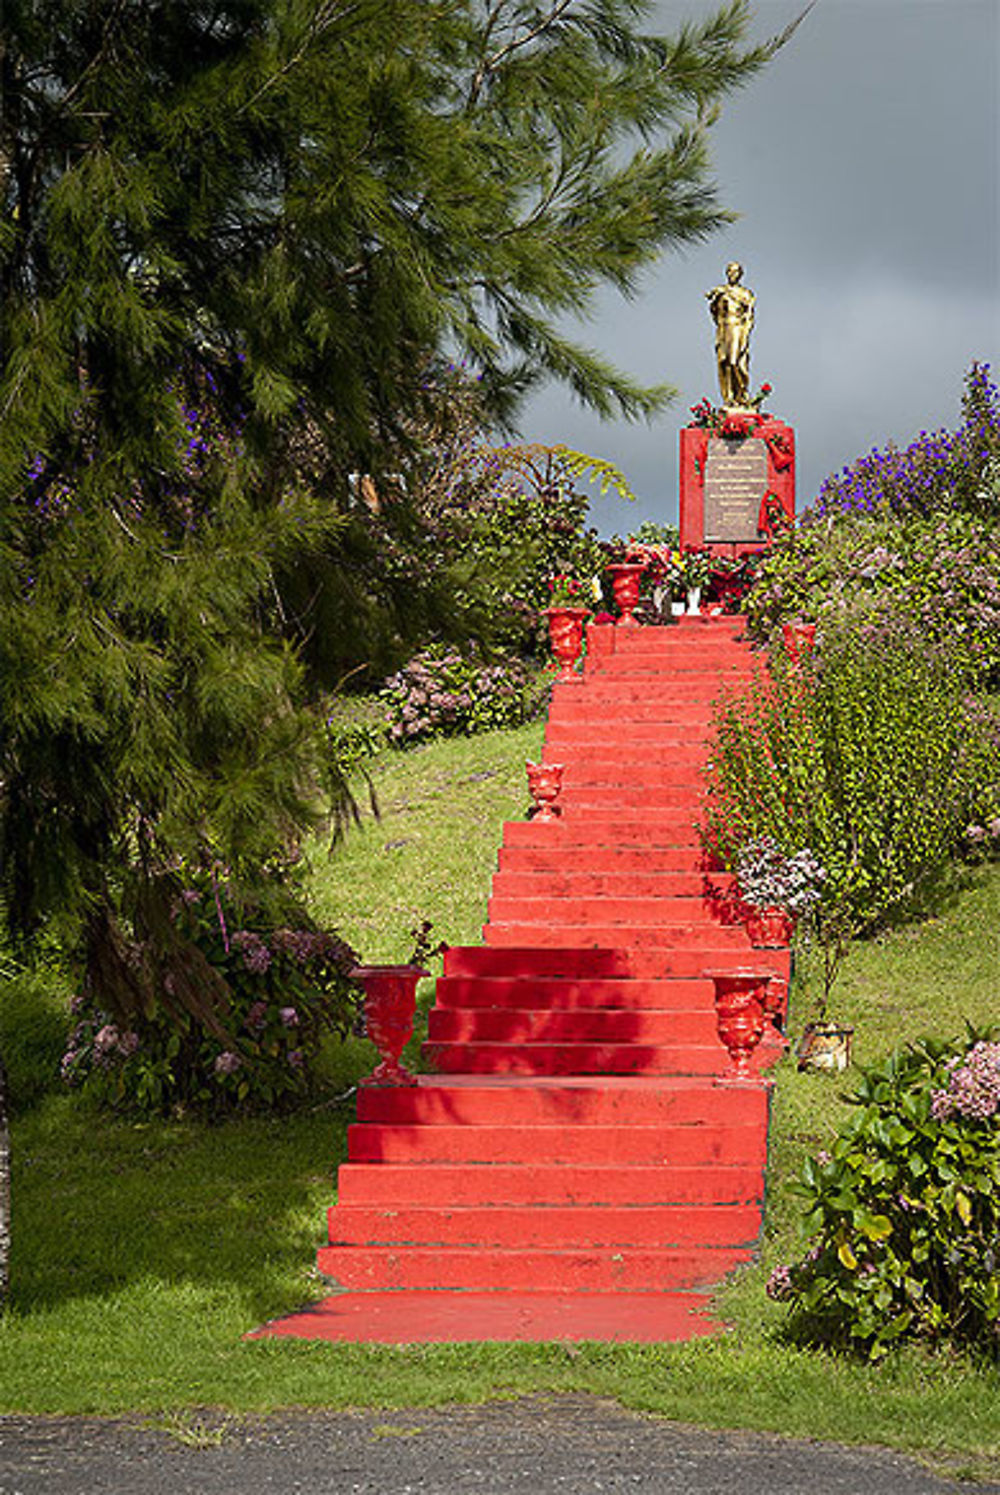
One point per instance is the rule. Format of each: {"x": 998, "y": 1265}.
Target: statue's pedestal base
{"x": 725, "y": 480}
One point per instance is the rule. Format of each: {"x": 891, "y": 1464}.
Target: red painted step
{"x": 464, "y": 1269}
{"x": 577, "y": 1146}
{"x": 634, "y": 1025}
{"x": 495, "y": 1101}
{"x": 510, "y": 994}
{"x": 565, "y": 1142}
{"x": 548, "y": 1184}
{"x": 585, "y": 1058}
{"x": 559, "y": 1227}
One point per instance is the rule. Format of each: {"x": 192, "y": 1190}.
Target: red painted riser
{"x": 557, "y": 994}
{"x": 464, "y": 1269}
{"x": 683, "y": 799}
{"x": 559, "y": 1227}
{"x": 676, "y": 940}
{"x": 597, "y": 829}
{"x": 674, "y": 718}
{"x": 653, "y": 737}
{"x": 574, "y": 1143}
{"x": 573, "y": 1058}
{"x": 496, "y": 1102}
{"x": 548, "y": 855}
{"x": 687, "y": 890}
{"x": 547, "y": 1184}
{"x": 539, "y": 1025}
{"x": 580, "y": 962}
{"x": 683, "y": 919}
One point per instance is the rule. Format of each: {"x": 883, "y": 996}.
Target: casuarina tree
{"x": 237, "y": 243}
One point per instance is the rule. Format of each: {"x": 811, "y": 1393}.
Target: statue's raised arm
{"x": 731, "y": 306}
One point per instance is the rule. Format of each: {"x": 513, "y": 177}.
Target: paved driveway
{"x": 572, "y": 1445}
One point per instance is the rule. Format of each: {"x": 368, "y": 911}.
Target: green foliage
{"x": 905, "y": 1210}
{"x": 942, "y": 574}
{"x": 871, "y": 757}
{"x": 285, "y": 988}
{"x": 443, "y": 693}
{"x": 34, "y": 1022}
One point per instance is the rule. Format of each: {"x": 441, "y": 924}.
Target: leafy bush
{"x": 906, "y": 1209}
{"x": 443, "y": 693}
{"x": 871, "y": 756}
{"x": 943, "y": 574}
{"x": 285, "y": 987}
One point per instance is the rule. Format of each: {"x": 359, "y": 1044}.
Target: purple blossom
{"x": 256, "y": 955}
{"x": 227, "y": 1063}
{"x": 973, "y": 1088}
{"x": 289, "y": 1017}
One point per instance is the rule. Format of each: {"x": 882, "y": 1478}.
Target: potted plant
{"x": 775, "y": 889}
{"x": 697, "y": 569}
{"x": 825, "y": 1043}
{"x": 568, "y": 610}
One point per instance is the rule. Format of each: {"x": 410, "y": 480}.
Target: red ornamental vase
{"x": 625, "y": 581}
{"x": 799, "y": 639}
{"x": 545, "y": 784}
{"x": 740, "y": 999}
{"x": 769, "y": 928}
{"x": 390, "y": 1003}
{"x": 566, "y": 637}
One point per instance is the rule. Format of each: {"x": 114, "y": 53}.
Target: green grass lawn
{"x": 143, "y": 1252}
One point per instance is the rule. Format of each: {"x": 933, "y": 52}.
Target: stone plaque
{"x": 735, "y": 483}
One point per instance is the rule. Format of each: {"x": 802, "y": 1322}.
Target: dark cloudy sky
{"x": 864, "y": 162}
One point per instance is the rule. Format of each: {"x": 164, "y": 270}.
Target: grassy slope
{"x": 143, "y": 1252}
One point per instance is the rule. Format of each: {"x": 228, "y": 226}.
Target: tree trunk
{"x": 4, "y": 1189}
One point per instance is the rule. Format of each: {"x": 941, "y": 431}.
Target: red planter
{"x": 545, "y": 784}
{"x": 390, "y": 1003}
{"x": 799, "y": 639}
{"x": 740, "y": 1000}
{"x": 769, "y": 928}
{"x": 625, "y": 581}
{"x": 566, "y": 637}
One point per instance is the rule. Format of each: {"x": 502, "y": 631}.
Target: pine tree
{"x": 232, "y": 233}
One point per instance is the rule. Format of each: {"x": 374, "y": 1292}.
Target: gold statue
{"x": 731, "y": 307}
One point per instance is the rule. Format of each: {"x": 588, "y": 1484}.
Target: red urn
{"x": 799, "y": 638}
{"x": 566, "y": 636}
{"x": 769, "y": 928}
{"x": 740, "y": 1000}
{"x": 625, "y": 581}
{"x": 390, "y": 1003}
{"x": 545, "y": 784}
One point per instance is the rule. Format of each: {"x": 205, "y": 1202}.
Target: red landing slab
{"x": 514, "y": 1318}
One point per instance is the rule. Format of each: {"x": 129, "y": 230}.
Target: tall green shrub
{"x": 871, "y": 756}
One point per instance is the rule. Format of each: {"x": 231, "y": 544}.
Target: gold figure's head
{"x": 733, "y": 271}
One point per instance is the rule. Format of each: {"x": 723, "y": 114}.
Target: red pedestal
{"x": 780, "y": 442}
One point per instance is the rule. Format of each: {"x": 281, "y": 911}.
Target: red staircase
{"x": 572, "y": 1167}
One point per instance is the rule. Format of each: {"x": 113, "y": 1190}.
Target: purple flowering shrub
{"x": 940, "y": 576}
{"x": 445, "y": 693}
{"x": 941, "y": 471}
{"x": 287, "y": 988}
{"x": 905, "y": 1212}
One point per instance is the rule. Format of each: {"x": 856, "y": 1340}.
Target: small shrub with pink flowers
{"x": 287, "y": 988}
{"x": 445, "y": 693}
{"x": 905, "y": 1212}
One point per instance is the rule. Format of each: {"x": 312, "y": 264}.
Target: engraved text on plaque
{"x": 735, "y": 483}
